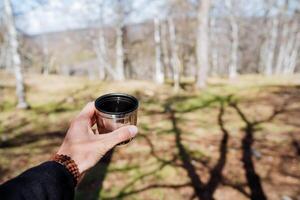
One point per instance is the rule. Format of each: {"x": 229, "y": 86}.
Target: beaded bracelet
{"x": 68, "y": 163}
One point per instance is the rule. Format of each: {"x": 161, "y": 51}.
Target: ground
{"x": 235, "y": 139}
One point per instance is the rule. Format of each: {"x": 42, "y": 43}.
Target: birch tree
{"x": 282, "y": 49}
{"x": 105, "y": 66}
{"x": 234, "y": 39}
{"x": 214, "y": 49}
{"x": 291, "y": 67}
{"x": 269, "y": 48}
{"x": 120, "y": 29}
{"x": 272, "y": 46}
{"x": 159, "y": 74}
{"x": 289, "y": 41}
{"x": 269, "y": 38}
{"x": 101, "y": 53}
{"x": 13, "y": 46}
{"x": 175, "y": 62}
{"x": 100, "y": 48}
{"x": 165, "y": 49}
{"x": 119, "y": 54}
{"x": 292, "y": 49}
{"x": 45, "y": 52}
{"x": 202, "y": 42}
{"x": 3, "y": 52}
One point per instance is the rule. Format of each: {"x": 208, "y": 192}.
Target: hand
{"x": 84, "y": 146}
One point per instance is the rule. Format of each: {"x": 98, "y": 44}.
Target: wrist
{"x": 79, "y": 162}
{"x": 69, "y": 164}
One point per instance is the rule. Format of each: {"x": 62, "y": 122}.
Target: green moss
{"x": 54, "y": 108}
{"x": 7, "y": 106}
{"x": 166, "y": 173}
{"x": 197, "y": 154}
{"x": 144, "y": 126}
{"x": 190, "y": 104}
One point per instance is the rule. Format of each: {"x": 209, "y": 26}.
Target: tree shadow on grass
{"x": 91, "y": 184}
{"x": 30, "y": 137}
{"x": 201, "y": 190}
{"x": 206, "y": 190}
{"x": 296, "y": 144}
{"x": 253, "y": 179}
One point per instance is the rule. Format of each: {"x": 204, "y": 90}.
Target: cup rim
{"x": 121, "y": 95}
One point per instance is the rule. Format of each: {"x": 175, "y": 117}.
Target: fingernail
{"x": 133, "y": 130}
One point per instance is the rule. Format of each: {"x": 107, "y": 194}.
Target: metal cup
{"x": 115, "y": 110}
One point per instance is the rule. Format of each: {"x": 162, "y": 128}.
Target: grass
{"x": 150, "y": 167}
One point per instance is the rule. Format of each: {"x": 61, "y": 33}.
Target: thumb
{"x": 120, "y": 135}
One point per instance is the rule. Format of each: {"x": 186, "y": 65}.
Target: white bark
{"x": 165, "y": 49}
{"x": 291, "y": 47}
{"x": 294, "y": 56}
{"x": 5, "y": 57}
{"x": 234, "y": 40}
{"x": 270, "y": 48}
{"x": 104, "y": 65}
{"x": 214, "y": 49}
{"x": 159, "y": 74}
{"x": 2, "y": 56}
{"x": 202, "y": 42}
{"x": 119, "y": 55}
{"x": 45, "y": 50}
{"x": 283, "y": 39}
{"x": 13, "y": 46}
{"x": 288, "y": 47}
{"x": 100, "y": 49}
{"x": 175, "y": 62}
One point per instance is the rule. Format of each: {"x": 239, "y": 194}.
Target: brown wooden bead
{"x": 69, "y": 164}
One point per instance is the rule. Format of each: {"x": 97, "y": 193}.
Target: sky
{"x": 41, "y": 16}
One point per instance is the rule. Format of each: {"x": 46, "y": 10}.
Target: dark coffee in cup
{"x": 115, "y": 110}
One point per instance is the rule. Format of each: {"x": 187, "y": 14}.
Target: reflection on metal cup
{"x": 115, "y": 110}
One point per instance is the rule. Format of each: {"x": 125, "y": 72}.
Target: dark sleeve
{"x": 50, "y": 181}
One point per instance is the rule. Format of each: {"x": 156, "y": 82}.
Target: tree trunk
{"x": 270, "y": 48}
{"x": 102, "y": 55}
{"x": 234, "y": 40}
{"x": 128, "y": 70}
{"x": 100, "y": 49}
{"x": 214, "y": 49}
{"x": 13, "y": 46}
{"x": 294, "y": 56}
{"x": 202, "y": 42}
{"x": 174, "y": 57}
{"x": 283, "y": 39}
{"x": 291, "y": 47}
{"x": 45, "y": 50}
{"x": 2, "y": 55}
{"x": 119, "y": 54}
{"x": 165, "y": 50}
{"x": 159, "y": 74}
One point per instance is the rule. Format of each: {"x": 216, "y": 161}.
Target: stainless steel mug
{"x": 115, "y": 110}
